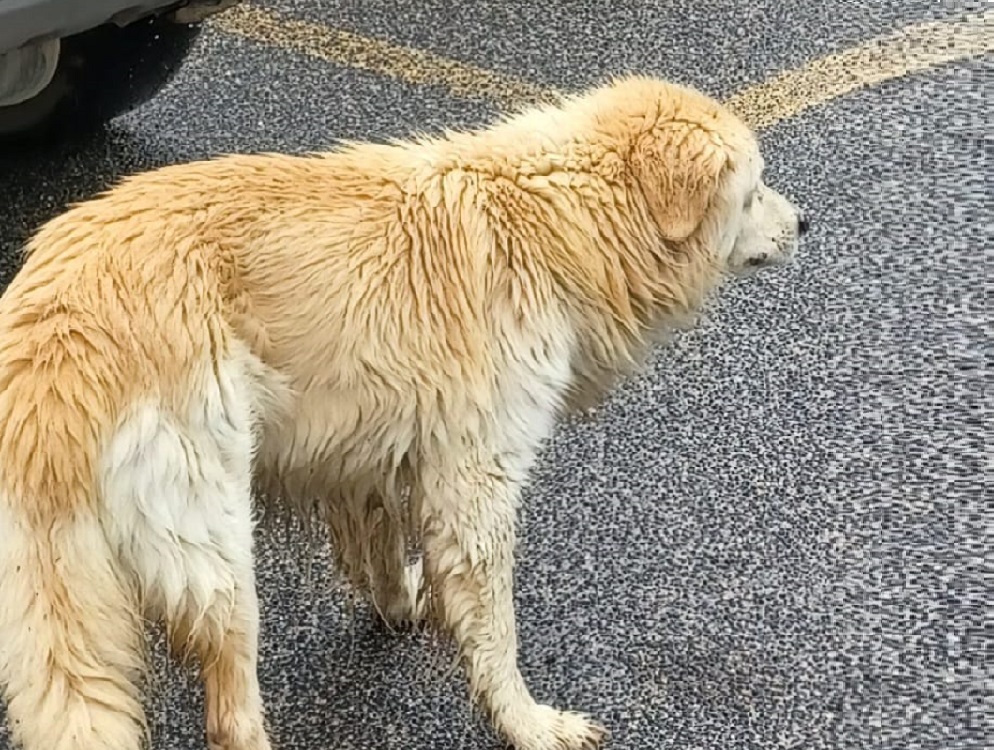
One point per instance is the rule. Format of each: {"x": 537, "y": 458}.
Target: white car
{"x": 69, "y": 65}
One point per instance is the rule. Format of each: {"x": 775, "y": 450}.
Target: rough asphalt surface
{"x": 775, "y": 537}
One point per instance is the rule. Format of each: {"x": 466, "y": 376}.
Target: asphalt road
{"x": 774, "y": 538}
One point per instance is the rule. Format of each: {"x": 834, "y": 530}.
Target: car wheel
{"x": 101, "y": 73}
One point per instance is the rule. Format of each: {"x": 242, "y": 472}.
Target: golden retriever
{"x": 381, "y": 335}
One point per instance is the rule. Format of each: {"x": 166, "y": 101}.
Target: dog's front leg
{"x": 469, "y": 511}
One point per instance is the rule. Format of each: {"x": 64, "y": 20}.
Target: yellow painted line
{"x": 384, "y": 58}
{"x": 913, "y": 49}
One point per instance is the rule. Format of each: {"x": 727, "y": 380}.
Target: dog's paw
{"x": 238, "y": 735}
{"x": 546, "y": 728}
{"x": 407, "y": 609}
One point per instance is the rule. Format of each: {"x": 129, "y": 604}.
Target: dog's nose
{"x": 803, "y": 225}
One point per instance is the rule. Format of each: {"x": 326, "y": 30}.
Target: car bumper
{"x": 24, "y": 21}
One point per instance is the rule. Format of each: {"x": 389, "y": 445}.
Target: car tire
{"x": 102, "y": 73}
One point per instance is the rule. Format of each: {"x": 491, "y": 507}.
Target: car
{"x": 69, "y": 66}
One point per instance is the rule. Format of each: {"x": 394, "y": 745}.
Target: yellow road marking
{"x": 352, "y": 50}
{"x": 913, "y": 49}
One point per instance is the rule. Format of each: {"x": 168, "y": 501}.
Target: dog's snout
{"x": 803, "y": 225}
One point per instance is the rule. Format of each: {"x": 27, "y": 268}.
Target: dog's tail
{"x": 70, "y": 638}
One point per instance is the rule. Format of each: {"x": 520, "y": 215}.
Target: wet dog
{"x": 382, "y": 335}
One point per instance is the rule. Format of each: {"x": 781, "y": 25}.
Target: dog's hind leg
{"x": 223, "y": 641}
{"x": 179, "y": 490}
{"x": 70, "y": 636}
{"x": 216, "y": 627}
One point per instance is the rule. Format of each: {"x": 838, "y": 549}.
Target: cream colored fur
{"x": 381, "y": 336}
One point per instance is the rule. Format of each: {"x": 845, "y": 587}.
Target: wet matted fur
{"x": 382, "y": 335}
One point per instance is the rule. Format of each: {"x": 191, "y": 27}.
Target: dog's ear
{"x": 679, "y": 169}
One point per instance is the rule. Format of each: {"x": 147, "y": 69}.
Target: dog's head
{"x": 701, "y": 171}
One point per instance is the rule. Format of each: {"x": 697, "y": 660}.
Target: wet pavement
{"x": 773, "y": 538}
